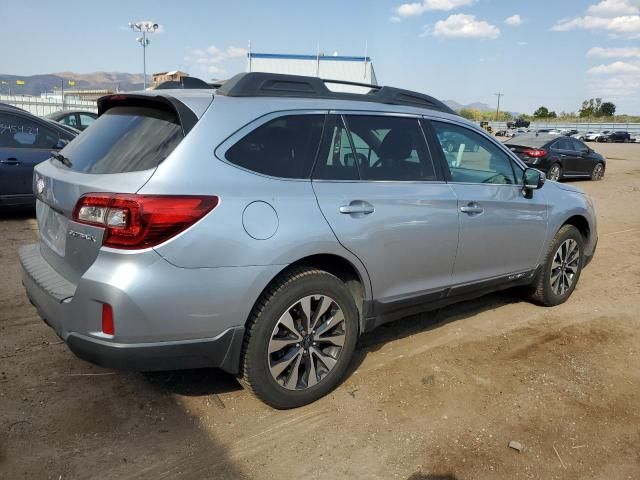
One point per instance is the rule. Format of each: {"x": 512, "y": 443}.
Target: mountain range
{"x": 37, "y": 84}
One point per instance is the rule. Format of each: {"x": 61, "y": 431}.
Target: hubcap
{"x": 564, "y": 267}
{"x": 597, "y": 172}
{"x": 306, "y": 342}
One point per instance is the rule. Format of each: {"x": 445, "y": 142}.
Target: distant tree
{"x": 552, "y": 115}
{"x": 607, "y": 109}
{"x": 588, "y": 108}
{"x": 471, "y": 114}
{"x": 542, "y": 112}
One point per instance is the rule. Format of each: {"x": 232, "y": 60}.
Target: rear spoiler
{"x": 187, "y": 118}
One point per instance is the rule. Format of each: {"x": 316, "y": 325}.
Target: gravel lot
{"x": 435, "y": 396}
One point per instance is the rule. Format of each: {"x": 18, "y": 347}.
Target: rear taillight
{"x": 141, "y": 221}
{"x": 535, "y": 153}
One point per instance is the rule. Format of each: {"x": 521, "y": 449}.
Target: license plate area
{"x": 53, "y": 229}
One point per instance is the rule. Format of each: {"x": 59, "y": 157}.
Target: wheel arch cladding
{"x": 335, "y": 265}
{"x": 582, "y": 224}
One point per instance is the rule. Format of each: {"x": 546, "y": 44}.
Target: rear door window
{"x": 284, "y": 147}
{"x": 125, "y": 139}
{"x": 17, "y": 131}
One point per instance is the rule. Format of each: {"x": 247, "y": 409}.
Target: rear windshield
{"x": 125, "y": 139}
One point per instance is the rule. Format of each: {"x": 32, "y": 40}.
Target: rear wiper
{"x": 62, "y": 159}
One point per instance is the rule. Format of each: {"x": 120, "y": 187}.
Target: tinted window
{"x": 471, "y": 157}
{"x": 578, "y": 146}
{"x": 125, "y": 139}
{"x": 285, "y": 147}
{"x": 390, "y": 148}
{"x": 17, "y": 131}
{"x": 563, "y": 144}
{"x": 339, "y": 161}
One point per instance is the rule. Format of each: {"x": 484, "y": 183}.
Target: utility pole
{"x": 499, "y": 94}
{"x": 144, "y": 28}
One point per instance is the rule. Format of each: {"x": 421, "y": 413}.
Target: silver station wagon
{"x": 262, "y": 227}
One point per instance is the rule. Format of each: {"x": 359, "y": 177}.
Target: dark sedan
{"x": 560, "y": 157}
{"x": 25, "y": 141}
{"x": 79, "y": 120}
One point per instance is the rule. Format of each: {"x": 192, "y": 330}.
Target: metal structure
{"x": 144, "y": 28}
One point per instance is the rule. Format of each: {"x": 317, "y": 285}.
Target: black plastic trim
{"x": 222, "y": 352}
{"x": 259, "y": 84}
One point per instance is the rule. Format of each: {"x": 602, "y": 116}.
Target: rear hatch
{"x": 118, "y": 154}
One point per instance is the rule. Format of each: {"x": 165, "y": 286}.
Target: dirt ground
{"x": 436, "y": 396}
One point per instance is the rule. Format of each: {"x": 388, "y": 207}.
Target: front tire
{"x": 555, "y": 172}
{"x": 560, "y": 272}
{"x": 598, "y": 172}
{"x": 300, "y": 339}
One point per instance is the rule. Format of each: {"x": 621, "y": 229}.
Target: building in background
{"x": 328, "y": 67}
{"x": 173, "y": 76}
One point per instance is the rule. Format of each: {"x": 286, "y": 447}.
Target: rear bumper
{"x": 63, "y": 306}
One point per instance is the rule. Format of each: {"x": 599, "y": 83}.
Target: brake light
{"x": 535, "y": 153}
{"x": 141, "y": 221}
{"x": 108, "y": 326}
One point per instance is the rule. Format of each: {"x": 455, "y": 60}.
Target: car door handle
{"x": 357, "y": 206}
{"x": 10, "y": 161}
{"x": 471, "y": 209}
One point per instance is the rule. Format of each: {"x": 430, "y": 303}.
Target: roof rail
{"x": 259, "y": 84}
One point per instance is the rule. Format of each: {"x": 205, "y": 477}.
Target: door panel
{"x": 501, "y": 232}
{"x": 16, "y": 169}
{"x": 404, "y": 232}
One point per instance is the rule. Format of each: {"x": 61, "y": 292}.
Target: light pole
{"x": 144, "y": 28}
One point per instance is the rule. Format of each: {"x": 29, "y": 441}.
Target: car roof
{"x": 533, "y": 140}
{"x": 62, "y": 113}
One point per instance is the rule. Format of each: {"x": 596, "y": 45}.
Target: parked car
{"x": 25, "y": 141}
{"x": 582, "y": 136}
{"x": 559, "y": 157}
{"x": 549, "y": 131}
{"x": 264, "y": 231}
{"x": 568, "y": 132}
{"x": 613, "y": 137}
{"x": 77, "y": 119}
{"x": 593, "y": 136}
{"x": 519, "y": 123}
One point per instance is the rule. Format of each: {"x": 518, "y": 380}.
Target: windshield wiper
{"x": 62, "y": 159}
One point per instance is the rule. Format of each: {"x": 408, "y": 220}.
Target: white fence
{"x": 632, "y": 128}
{"x": 44, "y": 106}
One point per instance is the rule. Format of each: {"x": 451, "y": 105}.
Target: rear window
{"x": 125, "y": 139}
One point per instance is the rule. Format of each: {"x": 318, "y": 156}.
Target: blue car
{"x": 25, "y": 141}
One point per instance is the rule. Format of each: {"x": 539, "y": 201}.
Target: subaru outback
{"x": 262, "y": 227}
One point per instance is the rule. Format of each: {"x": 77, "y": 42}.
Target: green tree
{"x": 588, "y": 108}
{"x": 607, "y": 109}
{"x": 542, "y": 112}
{"x": 471, "y": 114}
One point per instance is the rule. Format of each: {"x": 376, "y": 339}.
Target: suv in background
{"x": 263, "y": 227}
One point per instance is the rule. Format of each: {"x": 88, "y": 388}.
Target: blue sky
{"x": 550, "y": 52}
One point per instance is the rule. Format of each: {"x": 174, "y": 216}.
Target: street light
{"x": 144, "y": 28}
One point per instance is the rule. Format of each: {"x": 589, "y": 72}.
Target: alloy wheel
{"x": 306, "y": 342}
{"x": 565, "y": 266}
{"x": 598, "y": 172}
{"x": 554, "y": 173}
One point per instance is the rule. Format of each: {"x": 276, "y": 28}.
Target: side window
{"x": 21, "y": 132}
{"x": 578, "y": 146}
{"x": 563, "y": 144}
{"x": 390, "y": 148}
{"x": 86, "y": 120}
{"x": 339, "y": 161}
{"x": 471, "y": 157}
{"x": 70, "y": 120}
{"x": 284, "y": 147}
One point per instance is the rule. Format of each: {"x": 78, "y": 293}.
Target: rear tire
{"x": 300, "y": 339}
{"x": 559, "y": 273}
{"x": 555, "y": 172}
{"x": 598, "y": 172}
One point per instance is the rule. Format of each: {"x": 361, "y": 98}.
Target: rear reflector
{"x": 141, "y": 221}
{"x": 107, "y": 319}
{"x": 535, "y": 153}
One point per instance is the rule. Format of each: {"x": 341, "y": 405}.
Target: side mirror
{"x": 532, "y": 179}
{"x": 61, "y": 144}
